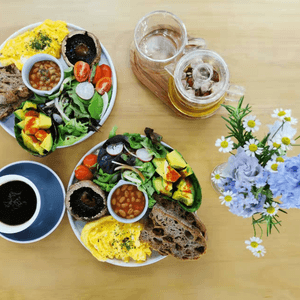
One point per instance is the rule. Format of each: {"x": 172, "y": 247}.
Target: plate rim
{"x": 116, "y": 262}
{"x": 114, "y": 79}
{"x": 63, "y": 209}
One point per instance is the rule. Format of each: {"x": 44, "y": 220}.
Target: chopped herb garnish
{"x": 40, "y": 42}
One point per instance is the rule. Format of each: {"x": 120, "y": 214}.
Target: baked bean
{"x": 34, "y": 86}
{"x": 122, "y": 213}
{"x": 136, "y": 212}
{"x": 43, "y": 73}
{"x": 125, "y": 200}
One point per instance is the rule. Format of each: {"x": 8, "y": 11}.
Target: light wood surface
{"x": 259, "y": 40}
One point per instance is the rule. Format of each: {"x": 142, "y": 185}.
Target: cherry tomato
{"x": 90, "y": 160}
{"x": 82, "y": 71}
{"x": 103, "y": 85}
{"x": 106, "y": 70}
{"x": 98, "y": 75}
{"x": 83, "y": 173}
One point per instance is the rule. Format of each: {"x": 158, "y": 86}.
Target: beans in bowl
{"x": 44, "y": 75}
{"x": 127, "y": 201}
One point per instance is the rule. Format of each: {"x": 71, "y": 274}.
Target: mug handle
{"x": 194, "y": 44}
{"x": 234, "y": 93}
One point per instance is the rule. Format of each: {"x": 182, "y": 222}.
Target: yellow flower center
{"x": 286, "y": 141}
{"x": 275, "y": 145}
{"x": 281, "y": 114}
{"x": 251, "y": 123}
{"x": 279, "y": 159}
{"x": 224, "y": 144}
{"x": 252, "y": 147}
{"x": 270, "y": 210}
{"x": 288, "y": 119}
{"x": 217, "y": 176}
{"x": 254, "y": 244}
{"x": 274, "y": 167}
{"x": 228, "y": 198}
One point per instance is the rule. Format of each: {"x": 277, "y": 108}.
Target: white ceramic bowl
{"x": 114, "y": 215}
{"x": 28, "y": 65}
{"x": 5, "y": 228}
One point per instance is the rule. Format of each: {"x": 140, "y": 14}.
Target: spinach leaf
{"x": 96, "y": 106}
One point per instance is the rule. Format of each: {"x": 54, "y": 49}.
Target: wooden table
{"x": 259, "y": 40}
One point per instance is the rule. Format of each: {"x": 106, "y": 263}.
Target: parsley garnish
{"x": 40, "y": 42}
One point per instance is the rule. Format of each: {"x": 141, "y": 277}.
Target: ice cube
{"x": 206, "y": 86}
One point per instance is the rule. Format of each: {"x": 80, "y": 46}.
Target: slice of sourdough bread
{"x": 171, "y": 230}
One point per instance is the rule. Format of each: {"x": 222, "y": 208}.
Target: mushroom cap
{"x": 76, "y": 38}
{"x": 85, "y": 185}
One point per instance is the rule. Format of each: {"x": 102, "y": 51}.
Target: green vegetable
{"x": 113, "y": 132}
{"x": 68, "y": 72}
{"x": 107, "y": 178}
{"x": 40, "y": 42}
{"x": 158, "y": 150}
{"x": 104, "y": 186}
{"x": 135, "y": 140}
{"x": 96, "y": 106}
{"x": 151, "y": 202}
{"x": 93, "y": 72}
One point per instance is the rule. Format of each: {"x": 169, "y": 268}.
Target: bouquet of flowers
{"x": 259, "y": 181}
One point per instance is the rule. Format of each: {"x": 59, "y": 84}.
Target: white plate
{"x": 77, "y": 225}
{"x": 8, "y": 123}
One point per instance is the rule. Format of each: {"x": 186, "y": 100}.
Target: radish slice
{"x": 85, "y": 90}
{"x": 105, "y": 104}
{"x": 143, "y": 155}
{"x": 114, "y": 149}
{"x": 132, "y": 169}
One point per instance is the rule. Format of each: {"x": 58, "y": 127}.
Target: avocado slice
{"x": 31, "y": 124}
{"x": 167, "y": 172}
{"x": 186, "y": 198}
{"x": 20, "y": 114}
{"x": 158, "y": 186}
{"x": 176, "y": 160}
{"x": 21, "y": 124}
{"x": 187, "y": 171}
{"x": 158, "y": 162}
{"x": 32, "y": 143}
{"x": 29, "y": 104}
{"x": 47, "y": 143}
{"x": 44, "y": 121}
{"x": 185, "y": 185}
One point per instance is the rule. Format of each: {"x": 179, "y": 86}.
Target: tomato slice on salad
{"x": 81, "y": 71}
{"x": 105, "y": 71}
{"x": 98, "y": 75}
{"x": 103, "y": 85}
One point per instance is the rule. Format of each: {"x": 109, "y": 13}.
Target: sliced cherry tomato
{"x": 82, "y": 71}
{"x": 90, "y": 160}
{"x": 106, "y": 70}
{"x": 83, "y": 173}
{"x": 103, "y": 85}
{"x": 98, "y": 75}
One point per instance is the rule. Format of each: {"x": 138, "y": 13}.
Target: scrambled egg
{"x": 108, "y": 238}
{"x": 45, "y": 38}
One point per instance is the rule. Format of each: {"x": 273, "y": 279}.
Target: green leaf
{"x": 96, "y": 106}
{"x": 113, "y": 132}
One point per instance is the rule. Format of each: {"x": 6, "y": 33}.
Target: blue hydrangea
{"x": 286, "y": 183}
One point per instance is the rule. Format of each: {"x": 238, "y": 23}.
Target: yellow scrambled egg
{"x": 45, "y": 38}
{"x": 108, "y": 238}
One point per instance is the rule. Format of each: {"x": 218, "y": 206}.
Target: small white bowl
{"x": 28, "y": 65}
{"x": 5, "y": 228}
{"x": 114, "y": 215}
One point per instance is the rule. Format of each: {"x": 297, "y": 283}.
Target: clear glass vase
{"x": 220, "y": 168}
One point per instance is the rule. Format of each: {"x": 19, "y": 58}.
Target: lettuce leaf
{"x": 135, "y": 140}
{"x": 158, "y": 150}
{"x": 96, "y": 106}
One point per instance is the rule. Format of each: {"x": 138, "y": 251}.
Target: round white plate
{"x": 77, "y": 225}
{"x": 8, "y": 123}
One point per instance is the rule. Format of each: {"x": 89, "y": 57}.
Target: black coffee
{"x": 17, "y": 202}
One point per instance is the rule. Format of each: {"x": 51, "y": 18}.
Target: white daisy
{"x": 272, "y": 166}
{"x": 253, "y": 243}
{"x": 216, "y": 177}
{"x": 227, "y": 198}
{"x": 251, "y": 148}
{"x": 261, "y": 251}
{"x": 270, "y": 210}
{"x": 250, "y": 123}
{"x": 291, "y": 120}
{"x": 273, "y": 145}
{"x": 281, "y": 113}
{"x": 226, "y": 145}
{"x": 285, "y": 137}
